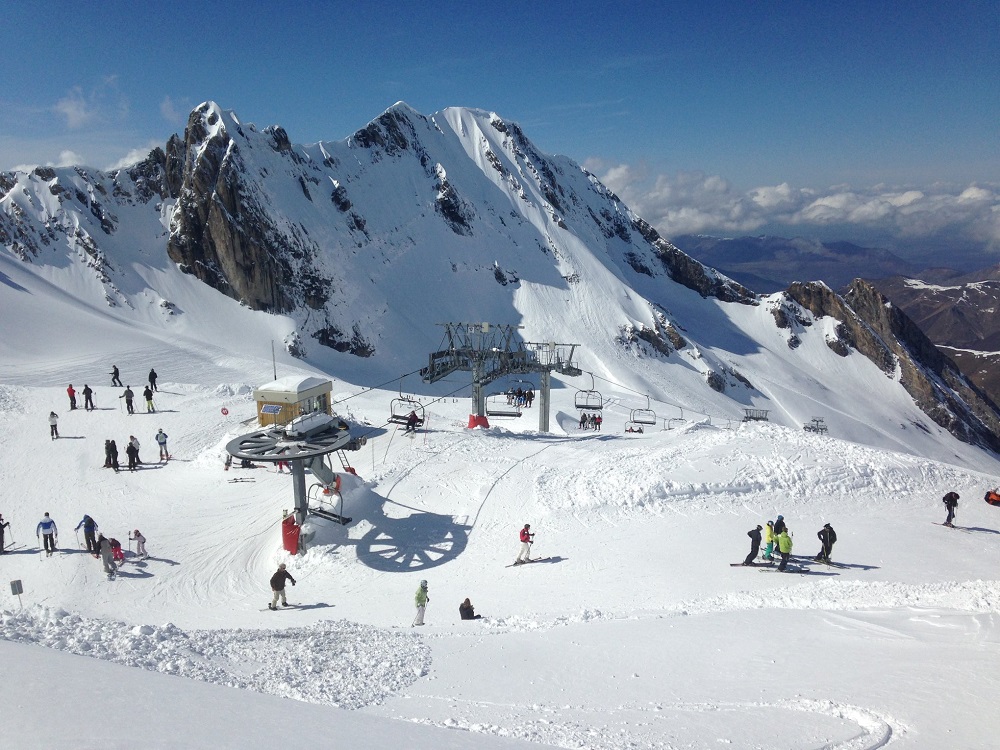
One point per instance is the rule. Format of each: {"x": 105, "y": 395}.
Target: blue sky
{"x": 685, "y": 109}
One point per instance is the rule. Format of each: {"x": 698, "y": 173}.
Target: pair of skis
{"x": 529, "y": 560}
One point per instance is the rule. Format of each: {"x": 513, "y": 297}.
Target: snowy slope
{"x": 635, "y": 633}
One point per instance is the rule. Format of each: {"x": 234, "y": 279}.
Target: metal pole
{"x": 298, "y": 467}
{"x": 543, "y": 401}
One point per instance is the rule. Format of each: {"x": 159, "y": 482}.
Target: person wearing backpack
{"x": 951, "y": 503}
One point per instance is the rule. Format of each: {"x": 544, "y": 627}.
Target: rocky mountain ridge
{"x": 366, "y": 242}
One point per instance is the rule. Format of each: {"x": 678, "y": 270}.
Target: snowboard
{"x": 279, "y": 607}
{"x": 531, "y": 560}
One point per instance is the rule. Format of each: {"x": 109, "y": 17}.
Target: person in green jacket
{"x": 769, "y": 541}
{"x": 421, "y": 600}
{"x": 784, "y": 547}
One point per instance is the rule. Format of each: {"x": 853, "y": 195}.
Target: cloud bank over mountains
{"x": 905, "y": 218}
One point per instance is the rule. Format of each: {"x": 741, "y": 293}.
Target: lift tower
{"x": 490, "y": 351}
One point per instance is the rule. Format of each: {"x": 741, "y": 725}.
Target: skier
{"x": 148, "y": 395}
{"x": 107, "y": 555}
{"x": 467, "y": 612}
{"x": 49, "y": 534}
{"x": 421, "y": 599}
{"x": 113, "y": 455}
{"x": 599, "y": 420}
{"x": 115, "y": 380}
{"x": 827, "y": 537}
{"x": 950, "y": 502}
{"x": 89, "y": 529}
{"x": 140, "y": 544}
{"x": 583, "y": 421}
{"x": 152, "y": 378}
{"x": 529, "y": 397}
{"x": 411, "y": 422}
{"x": 53, "y": 425}
{"x": 527, "y": 538}
{"x": 161, "y": 440}
{"x": 754, "y": 535}
{"x": 3, "y": 525}
{"x": 779, "y": 526}
{"x": 784, "y": 547}
{"x": 769, "y": 541}
{"x": 128, "y": 395}
{"x": 278, "y": 587}
{"x": 133, "y": 455}
{"x": 88, "y": 397}
{"x": 72, "y": 397}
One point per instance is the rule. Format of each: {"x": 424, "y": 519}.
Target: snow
{"x": 636, "y": 633}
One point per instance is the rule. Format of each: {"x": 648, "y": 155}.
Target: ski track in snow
{"x": 656, "y": 724}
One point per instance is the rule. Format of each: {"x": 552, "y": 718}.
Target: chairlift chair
{"x": 589, "y": 400}
{"x": 497, "y": 406}
{"x": 643, "y": 416}
{"x": 400, "y": 409}
{"x": 631, "y": 426}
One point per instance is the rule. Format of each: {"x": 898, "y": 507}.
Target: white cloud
{"x": 75, "y": 108}
{"x": 134, "y": 156}
{"x": 102, "y": 104}
{"x": 175, "y": 113}
{"x": 696, "y": 203}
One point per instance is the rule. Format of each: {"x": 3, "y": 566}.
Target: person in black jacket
{"x": 133, "y": 456}
{"x": 467, "y": 612}
{"x": 950, "y": 502}
{"x": 754, "y": 535}
{"x": 115, "y": 380}
{"x": 779, "y": 526}
{"x": 88, "y": 397}
{"x": 89, "y": 534}
{"x": 827, "y": 537}
{"x": 278, "y": 587}
{"x": 6, "y": 525}
{"x": 113, "y": 455}
{"x": 152, "y": 379}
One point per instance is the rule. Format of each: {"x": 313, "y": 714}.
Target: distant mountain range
{"x": 358, "y": 249}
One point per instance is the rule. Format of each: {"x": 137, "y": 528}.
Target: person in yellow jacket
{"x": 784, "y": 547}
{"x": 769, "y": 541}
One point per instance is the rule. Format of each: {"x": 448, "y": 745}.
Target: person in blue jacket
{"x": 89, "y": 533}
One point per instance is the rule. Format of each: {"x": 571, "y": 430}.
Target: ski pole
{"x": 79, "y": 546}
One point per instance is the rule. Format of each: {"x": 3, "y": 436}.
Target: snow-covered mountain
{"x": 352, "y": 252}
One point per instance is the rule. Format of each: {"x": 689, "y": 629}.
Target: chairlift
{"x": 631, "y": 426}
{"x": 400, "y": 409}
{"x": 497, "y": 406}
{"x": 589, "y": 400}
{"x": 643, "y": 416}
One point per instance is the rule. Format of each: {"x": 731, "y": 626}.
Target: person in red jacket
{"x": 71, "y": 392}
{"x": 526, "y": 539}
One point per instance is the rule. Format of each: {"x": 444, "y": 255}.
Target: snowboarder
{"x": 754, "y": 535}
{"x": 53, "y": 425}
{"x": 950, "y": 502}
{"x": 421, "y": 599}
{"x": 115, "y": 380}
{"x": 411, "y": 422}
{"x": 113, "y": 455}
{"x": 278, "y": 587}
{"x": 148, "y": 395}
{"x": 140, "y": 544}
{"x": 827, "y": 537}
{"x": 3, "y": 525}
{"x": 784, "y": 547}
{"x": 769, "y": 541}
{"x": 89, "y": 530}
{"x": 72, "y": 397}
{"x": 527, "y": 538}
{"x": 48, "y": 533}
{"x": 161, "y": 440}
{"x": 88, "y": 397}
{"x": 467, "y": 612}
{"x": 128, "y": 395}
{"x": 107, "y": 555}
{"x": 152, "y": 378}
{"x": 133, "y": 455}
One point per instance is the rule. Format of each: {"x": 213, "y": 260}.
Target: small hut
{"x": 286, "y": 398}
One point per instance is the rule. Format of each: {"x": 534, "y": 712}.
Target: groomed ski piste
{"x": 636, "y": 633}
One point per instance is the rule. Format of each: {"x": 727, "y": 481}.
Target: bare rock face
{"x": 874, "y": 327}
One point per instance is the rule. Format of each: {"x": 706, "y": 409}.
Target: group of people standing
{"x": 777, "y": 534}
{"x": 520, "y": 397}
{"x": 591, "y": 421}
{"x": 88, "y": 397}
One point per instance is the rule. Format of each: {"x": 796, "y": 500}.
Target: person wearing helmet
{"x": 527, "y": 537}
{"x": 779, "y": 525}
{"x": 140, "y": 544}
{"x": 278, "y": 587}
{"x": 161, "y": 440}
{"x": 421, "y": 599}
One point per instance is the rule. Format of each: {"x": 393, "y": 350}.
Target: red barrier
{"x": 290, "y": 535}
{"x": 477, "y": 421}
